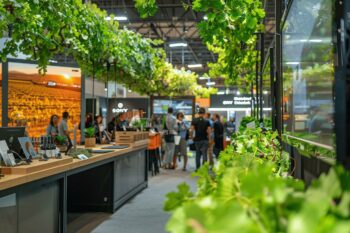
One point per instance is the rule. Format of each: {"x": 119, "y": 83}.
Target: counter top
{"x": 13, "y": 180}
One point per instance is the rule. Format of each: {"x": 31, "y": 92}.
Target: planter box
{"x": 90, "y": 142}
{"x": 62, "y": 148}
{"x": 130, "y": 137}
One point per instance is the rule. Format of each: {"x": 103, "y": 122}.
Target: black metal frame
{"x": 342, "y": 81}
{"x": 270, "y": 56}
{"x": 278, "y": 69}
{"x": 262, "y": 55}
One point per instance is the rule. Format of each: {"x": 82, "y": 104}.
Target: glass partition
{"x": 1, "y": 94}
{"x": 308, "y": 71}
{"x": 33, "y": 98}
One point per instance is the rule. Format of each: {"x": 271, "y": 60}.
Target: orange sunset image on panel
{"x": 33, "y": 98}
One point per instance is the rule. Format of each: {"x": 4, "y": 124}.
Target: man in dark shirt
{"x": 201, "y": 130}
{"x": 218, "y": 135}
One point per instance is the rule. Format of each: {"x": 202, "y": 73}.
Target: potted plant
{"x": 61, "y": 143}
{"x": 90, "y": 140}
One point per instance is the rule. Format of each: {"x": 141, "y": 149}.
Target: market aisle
{"x": 144, "y": 213}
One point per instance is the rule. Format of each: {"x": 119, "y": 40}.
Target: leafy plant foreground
{"x": 250, "y": 190}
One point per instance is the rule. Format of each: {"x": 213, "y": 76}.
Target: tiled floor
{"x": 142, "y": 214}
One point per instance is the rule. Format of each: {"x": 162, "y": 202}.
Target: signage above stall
{"x": 122, "y": 105}
{"x": 120, "y": 108}
{"x": 232, "y": 101}
{"x": 238, "y": 100}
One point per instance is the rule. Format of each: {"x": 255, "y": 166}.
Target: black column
{"x": 278, "y": 68}
{"x": 272, "y": 88}
{"x": 256, "y": 101}
{"x": 342, "y": 82}
{"x": 262, "y": 55}
{"x": 5, "y": 78}
{"x": 83, "y": 109}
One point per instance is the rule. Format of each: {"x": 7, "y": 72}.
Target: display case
{"x": 308, "y": 72}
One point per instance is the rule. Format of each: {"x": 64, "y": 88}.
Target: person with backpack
{"x": 182, "y": 130}
{"x": 169, "y": 137}
{"x": 202, "y": 130}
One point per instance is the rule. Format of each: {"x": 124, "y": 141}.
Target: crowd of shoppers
{"x": 206, "y": 131}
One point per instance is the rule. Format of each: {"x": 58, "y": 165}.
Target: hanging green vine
{"x": 43, "y": 29}
{"x": 230, "y": 31}
{"x": 146, "y": 8}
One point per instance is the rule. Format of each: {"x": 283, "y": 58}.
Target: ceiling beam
{"x": 193, "y": 54}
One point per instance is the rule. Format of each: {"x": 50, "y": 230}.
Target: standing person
{"x": 63, "y": 129}
{"x": 98, "y": 128}
{"x": 218, "y": 135}
{"x": 88, "y": 121}
{"x": 182, "y": 132}
{"x": 230, "y": 127}
{"x": 202, "y": 130}
{"x": 52, "y": 128}
{"x": 170, "y": 125}
{"x": 211, "y": 139}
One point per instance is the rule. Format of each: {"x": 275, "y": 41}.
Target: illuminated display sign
{"x": 233, "y": 101}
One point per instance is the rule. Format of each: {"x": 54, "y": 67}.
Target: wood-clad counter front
{"x": 41, "y": 201}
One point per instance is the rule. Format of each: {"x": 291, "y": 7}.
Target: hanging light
{"x": 181, "y": 44}
{"x": 117, "y": 18}
{"x": 195, "y": 66}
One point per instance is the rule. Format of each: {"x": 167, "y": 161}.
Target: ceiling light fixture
{"x": 195, "y": 66}
{"x": 210, "y": 83}
{"x": 203, "y": 78}
{"x": 118, "y": 18}
{"x": 311, "y": 41}
{"x": 315, "y": 41}
{"x": 292, "y": 63}
{"x": 173, "y": 45}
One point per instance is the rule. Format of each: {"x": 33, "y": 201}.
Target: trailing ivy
{"x": 146, "y": 8}
{"x": 230, "y": 31}
{"x": 43, "y": 29}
